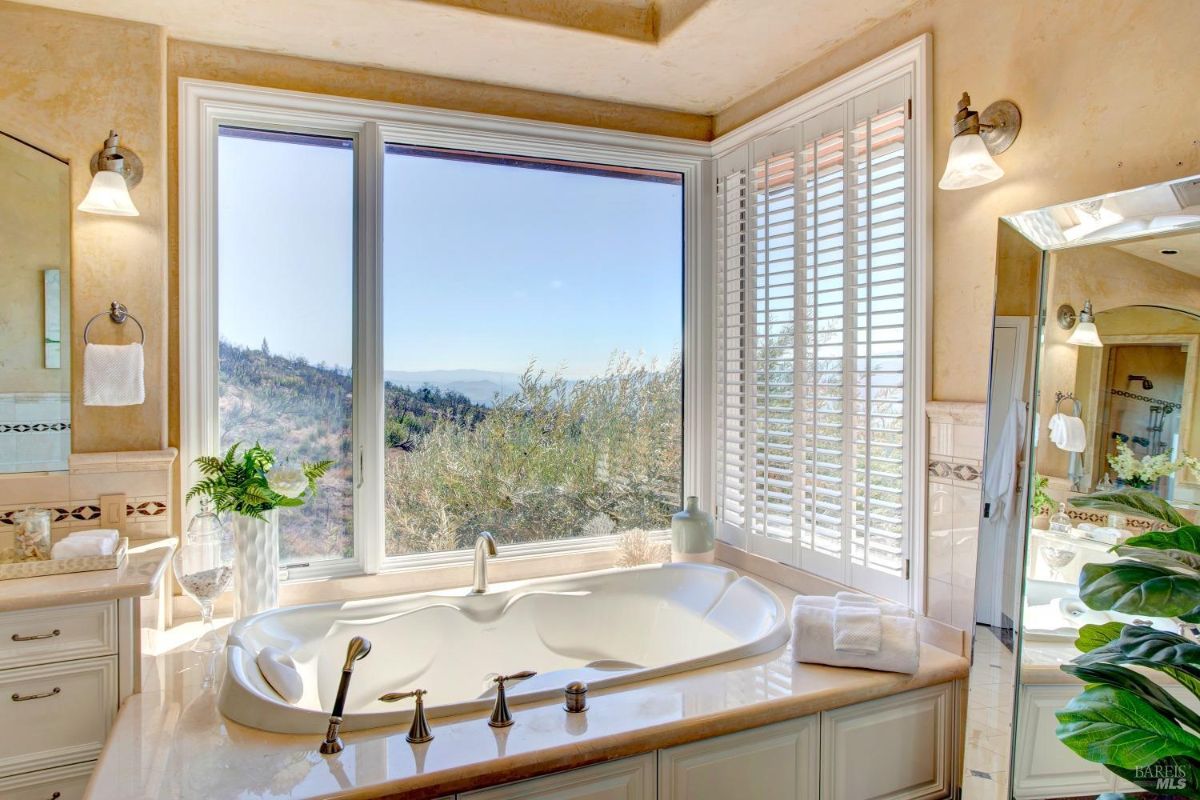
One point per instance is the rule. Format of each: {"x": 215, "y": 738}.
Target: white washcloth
{"x": 81, "y": 546}
{"x": 108, "y": 535}
{"x": 857, "y": 628}
{"x": 113, "y": 375}
{"x": 812, "y": 642}
{"x": 1067, "y": 433}
{"x": 860, "y": 599}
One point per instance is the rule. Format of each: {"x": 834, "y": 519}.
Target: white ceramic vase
{"x": 693, "y": 534}
{"x": 256, "y": 563}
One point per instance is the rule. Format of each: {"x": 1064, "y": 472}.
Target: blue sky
{"x": 485, "y": 266}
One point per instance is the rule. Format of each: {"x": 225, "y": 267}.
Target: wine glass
{"x": 204, "y": 568}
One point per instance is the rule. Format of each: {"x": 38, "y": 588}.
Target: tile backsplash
{"x": 73, "y": 497}
{"x": 956, "y": 439}
{"x": 35, "y": 431}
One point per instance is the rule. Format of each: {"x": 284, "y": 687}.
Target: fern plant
{"x": 1123, "y": 719}
{"x": 247, "y": 482}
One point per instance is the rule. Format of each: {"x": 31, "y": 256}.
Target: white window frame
{"x": 910, "y": 60}
{"x": 206, "y": 105}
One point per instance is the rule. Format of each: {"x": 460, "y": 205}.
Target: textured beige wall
{"x": 65, "y": 79}
{"x": 1108, "y": 93}
{"x": 35, "y": 235}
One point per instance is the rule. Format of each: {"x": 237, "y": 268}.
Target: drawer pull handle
{"x": 21, "y": 698}
{"x": 16, "y": 637}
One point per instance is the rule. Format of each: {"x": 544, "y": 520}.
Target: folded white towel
{"x": 825, "y": 601}
{"x": 857, "y": 628}
{"x": 109, "y": 535}
{"x": 81, "y": 546}
{"x": 885, "y": 607}
{"x": 113, "y": 375}
{"x": 812, "y": 642}
{"x": 1067, "y": 433}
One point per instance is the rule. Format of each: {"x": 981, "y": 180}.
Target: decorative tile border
{"x": 33, "y": 427}
{"x": 90, "y": 511}
{"x": 1134, "y": 523}
{"x": 949, "y": 470}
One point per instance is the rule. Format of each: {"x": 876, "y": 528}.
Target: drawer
{"x": 64, "y": 783}
{"x": 61, "y": 633}
{"x": 56, "y": 714}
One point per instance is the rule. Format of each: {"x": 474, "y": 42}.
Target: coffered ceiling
{"x": 688, "y": 55}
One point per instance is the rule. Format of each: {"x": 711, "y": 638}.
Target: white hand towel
{"x": 812, "y": 642}
{"x": 857, "y": 628}
{"x": 106, "y": 536}
{"x": 860, "y": 599}
{"x": 113, "y": 375}
{"x": 1067, "y": 433}
{"x": 79, "y": 547}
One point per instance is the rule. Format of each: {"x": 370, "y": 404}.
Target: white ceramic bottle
{"x": 693, "y": 534}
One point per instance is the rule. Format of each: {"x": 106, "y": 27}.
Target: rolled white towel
{"x": 857, "y": 628}
{"x": 812, "y": 642}
{"x": 82, "y": 546}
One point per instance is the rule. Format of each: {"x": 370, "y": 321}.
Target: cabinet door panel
{"x": 1045, "y": 767}
{"x": 627, "y": 779}
{"x": 896, "y": 748}
{"x": 777, "y": 762}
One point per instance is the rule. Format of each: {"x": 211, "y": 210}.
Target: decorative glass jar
{"x": 204, "y": 568}
{"x": 32, "y": 534}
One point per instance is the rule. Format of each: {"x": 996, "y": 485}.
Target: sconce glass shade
{"x": 1085, "y": 335}
{"x": 970, "y": 164}
{"x": 109, "y": 195}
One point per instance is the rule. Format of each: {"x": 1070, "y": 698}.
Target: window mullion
{"x": 368, "y": 352}
{"x": 849, "y": 345}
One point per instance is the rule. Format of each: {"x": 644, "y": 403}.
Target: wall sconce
{"x": 1085, "y": 333}
{"x": 978, "y": 137}
{"x": 115, "y": 170}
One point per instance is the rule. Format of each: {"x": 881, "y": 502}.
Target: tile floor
{"x": 989, "y": 719}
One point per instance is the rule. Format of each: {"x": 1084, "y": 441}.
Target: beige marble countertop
{"x": 139, "y": 576}
{"x": 171, "y": 743}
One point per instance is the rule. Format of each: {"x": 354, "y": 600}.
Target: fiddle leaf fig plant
{"x": 1135, "y": 727}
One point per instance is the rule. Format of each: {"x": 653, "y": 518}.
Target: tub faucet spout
{"x": 485, "y": 545}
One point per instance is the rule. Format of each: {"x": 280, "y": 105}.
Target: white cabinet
{"x": 64, "y": 783}
{"x": 896, "y": 747}
{"x": 627, "y": 779}
{"x": 776, "y": 762}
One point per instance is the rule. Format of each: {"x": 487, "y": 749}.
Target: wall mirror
{"x": 35, "y": 308}
{"x": 1086, "y": 670}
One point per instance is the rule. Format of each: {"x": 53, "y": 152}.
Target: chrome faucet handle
{"x": 418, "y": 732}
{"x": 357, "y": 650}
{"x": 501, "y": 718}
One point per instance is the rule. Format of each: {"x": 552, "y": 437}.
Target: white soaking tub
{"x": 604, "y": 628}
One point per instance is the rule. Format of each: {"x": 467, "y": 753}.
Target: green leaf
{"x": 1173, "y": 560}
{"x": 1133, "y": 501}
{"x": 1093, "y": 636}
{"x": 1131, "y": 587}
{"x": 1139, "y": 645}
{"x": 1140, "y": 685}
{"x": 1185, "y": 538}
{"x": 1108, "y": 725}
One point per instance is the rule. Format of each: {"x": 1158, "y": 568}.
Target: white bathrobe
{"x": 1000, "y": 471}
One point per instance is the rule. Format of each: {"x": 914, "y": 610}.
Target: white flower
{"x": 287, "y": 481}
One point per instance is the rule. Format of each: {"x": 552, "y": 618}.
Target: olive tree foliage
{"x": 556, "y": 459}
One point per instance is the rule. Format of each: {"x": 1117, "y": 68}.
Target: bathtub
{"x": 605, "y": 628}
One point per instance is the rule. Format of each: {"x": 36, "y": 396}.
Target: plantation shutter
{"x": 812, "y": 302}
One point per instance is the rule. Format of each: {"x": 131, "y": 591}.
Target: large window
{"x": 817, "y": 407}
{"x": 531, "y": 348}
{"x": 482, "y": 323}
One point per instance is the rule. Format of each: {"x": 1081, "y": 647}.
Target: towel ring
{"x": 1059, "y": 397}
{"x": 118, "y": 314}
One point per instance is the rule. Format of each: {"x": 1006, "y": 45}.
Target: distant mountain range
{"x": 479, "y": 386}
